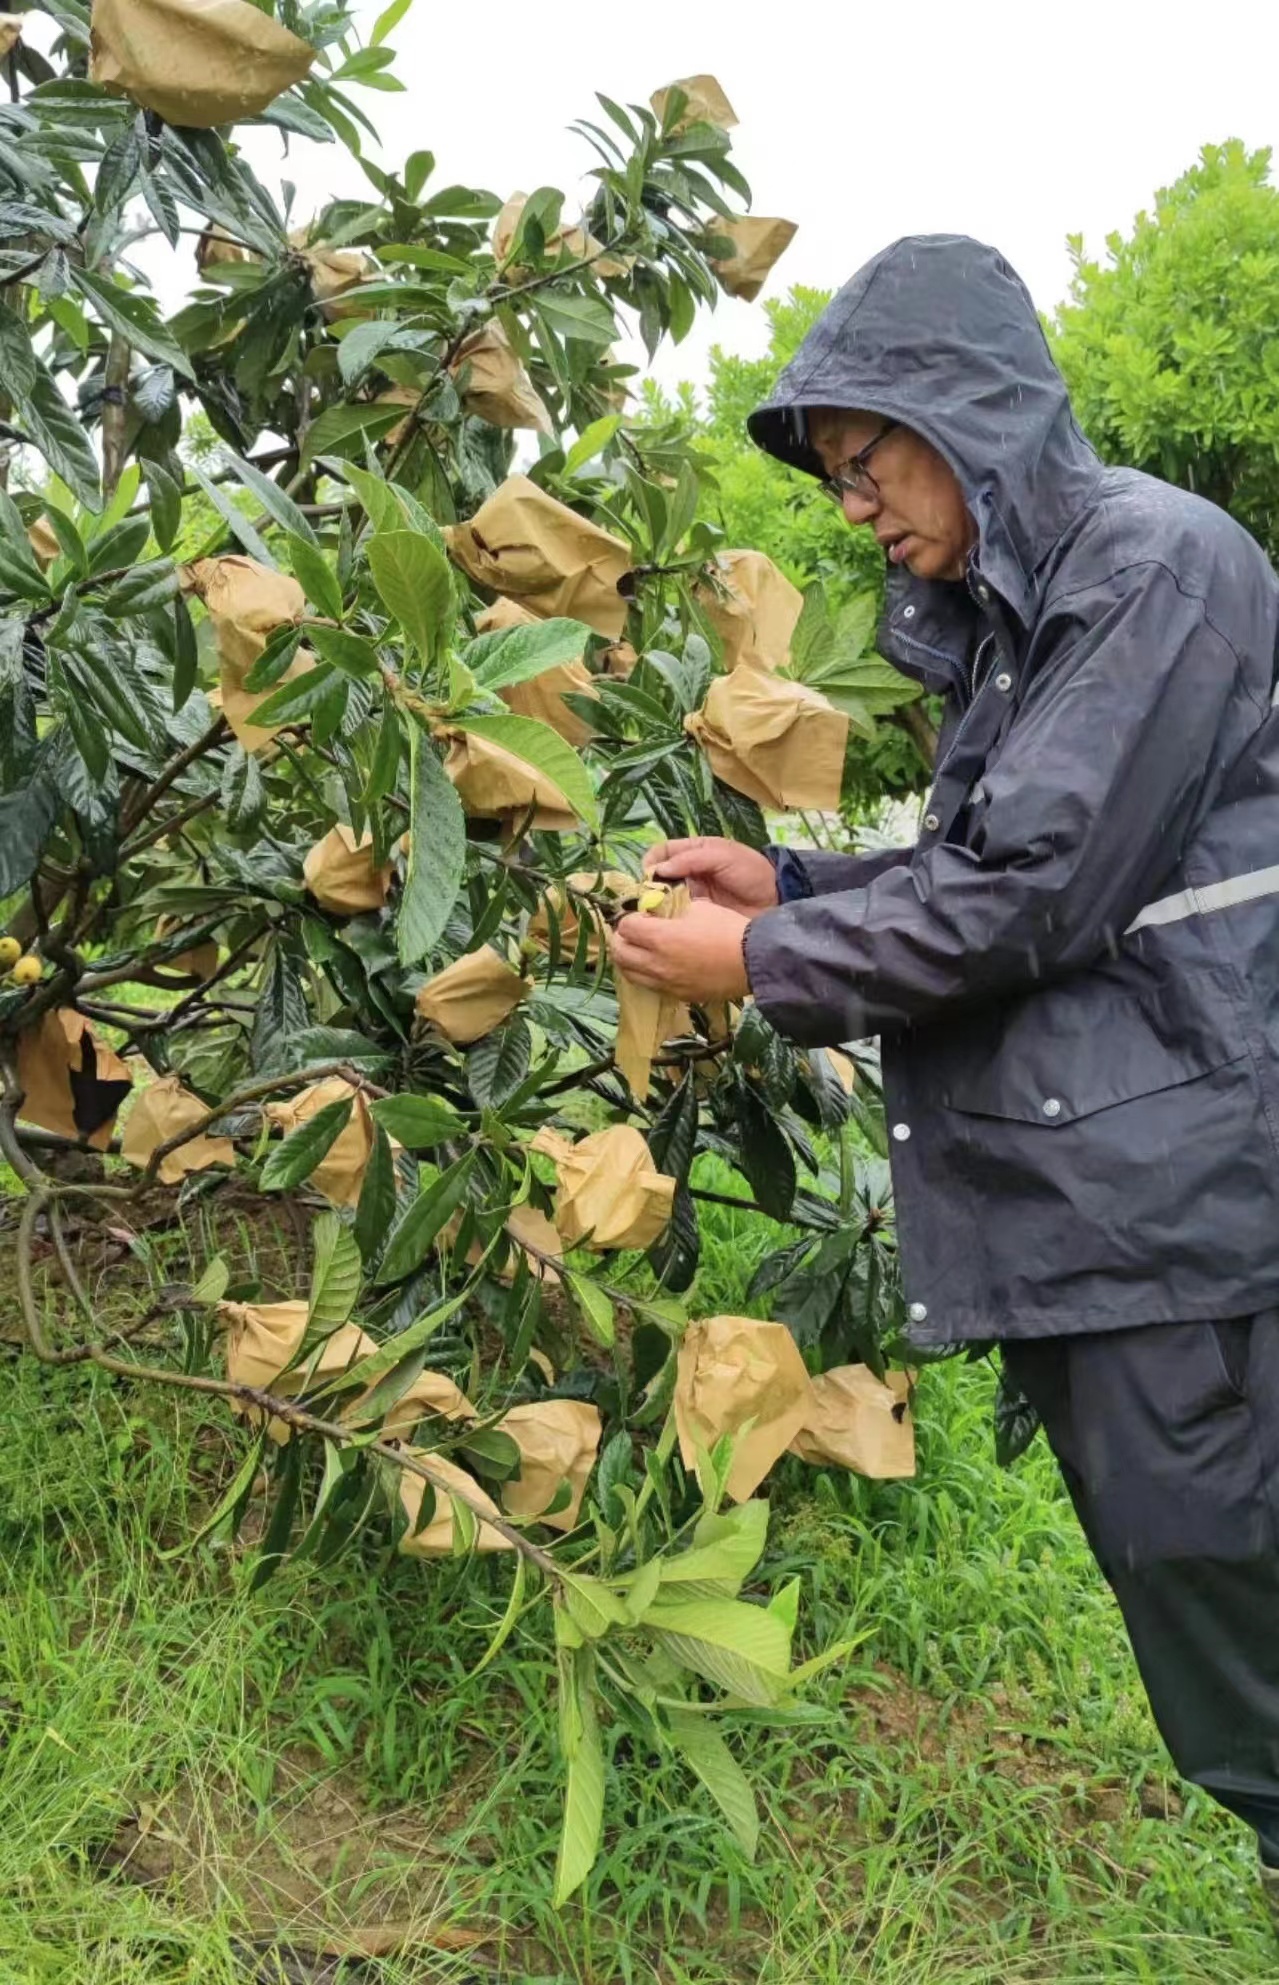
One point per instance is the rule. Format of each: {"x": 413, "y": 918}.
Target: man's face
{"x": 919, "y": 515}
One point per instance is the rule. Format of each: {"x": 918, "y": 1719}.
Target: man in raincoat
{"x": 1074, "y": 972}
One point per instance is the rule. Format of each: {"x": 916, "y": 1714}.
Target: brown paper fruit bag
{"x": 525, "y": 544}
{"x": 263, "y": 1338}
{"x": 860, "y": 1422}
{"x": 343, "y": 877}
{"x": 732, "y": 1371}
{"x": 495, "y": 386}
{"x": 158, "y": 1113}
{"x": 535, "y": 1239}
{"x": 757, "y": 245}
{"x": 195, "y": 62}
{"x": 216, "y": 245}
{"x": 558, "y": 1440}
{"x": 493, "y": 784}
{"x": 472, "y": 996}
{"x": 706, "y": 104}
{"x": 333, "y": 271}
{"x": 430, "y": 1392}
{"x": 10, "y": 32}
{"x": 435, "y": 1539}
{"x": 340, "y": 1173}
{"x": 611, "y": 1194}
{"x": 246, "y": 603}
{"x": 43, "y": 540}
{"x": 73, "y": 1083}
{"x": 753, "y": 608}
{"x": 200, "y": 962}
{"x": 775, "y": 740}
{"x": 541, "y": 696}
{"x": 645, "y": 1019}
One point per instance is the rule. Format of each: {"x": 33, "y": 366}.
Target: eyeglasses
{"x": 853, "y": 478}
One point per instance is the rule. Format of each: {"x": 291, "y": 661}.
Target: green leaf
{"x": 376, "y": 1209}
{"x": 418, "y": 1226}
{"x": 592, "y": 1608}
{"x": 728, "y": 1546}
{"x": 354, "y": 654}
{"x": 243, "y": 795}
{"x": 339, "y": 430}
{"x": 584, "y": 1788}
{"x": 576, "y": 316}
{"x": 17, "y": 358}
{"x": 213, "y": 1284}
{"x": 414, "y": 582}
{"x": 591, "y": 442}
{"x": 595, "y": 1305}
{"x": 544, "y": 751}
{"x": 513, "y": 654}
{"x": 315, "y": 575}
{"x": 297, "y": 1157}
{"x": 275, "y": 660}
{"x": 55, "y": 430}
{"x": 335, "y": 1278}
{"x": 702, "y": 1747}
{"x": 235, "y": 520}
{"x": 437, "y": 853}
{"x": 368, "y": 1373}
{"x": 417, "y": 1122}
{"x": 132, "y": 315}
{"x": 294, "y": 700}
{"x": 121, "y": 163}
{"x": 506, "y": 1624}
{"x": 277, "y": 502}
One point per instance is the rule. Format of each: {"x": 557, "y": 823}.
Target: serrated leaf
{"x": 132, "y": 315}
{"x": 296, "y": 699}
{"x": 354, "y": 654}
{"x": 572, "y": 315}
{"x": 584, "y": 1783}
{"x": 335, "y": 1278}
{"x": 415, "y": 585}
{"x": 297, "y": 1157}
{"x": 544, "y": 752}
{"x": 595, "y": 1305}
{"x": 55, "y": 430}
{"x": 496, "y": 1065}
{"x": 314, "y": 575}
{"x": 702, "y": 1747}
{"x": 339, "y": 430}
{"x": 417, "y": 1122}
{"x": 437, "y": 853}
{"x": 277, "y": 502}
{"x": 418, "y": 1225}
{"x": 376, "y": 1207}
{"x": 727, "y": 1545}
{"x": 17, "y": 357}
{"x": 513, "y": 654}
{"x": 243, "y": 794}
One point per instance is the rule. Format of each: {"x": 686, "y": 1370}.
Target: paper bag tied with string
{"x": 246, "y": 603}
{"x": 494, "y": 784}
{"x": 431, "y": 1393}
{"x": 472, "y": 996}
{"x": 777, "y": 741}
{"x": 333, "y": 271}
{"x": 558, "y": 1440}
{"x": 645, "y": 1018}
{"x": 757, "y": 245}
{"x": 435, "y": 1539}
{"x": 753, "y": 608}
{"x": 195, "y": 62}
{"x": 494, "y": 384}
{"x": 73, "y": 1082}
{"x": 611, "y": 1195}
{"x": 860, "y": 1422}
{"x": 736, "y": 1376}
{"x": 264, "y": 1338}
{"x": 158, "y": 1113}
{"x": 340, "y": 1173}
{"x": 526, "y": 545}
{"x": 343, "y": 877}
{"x": 542, "y": 696}
{"x": 706, "y": 103}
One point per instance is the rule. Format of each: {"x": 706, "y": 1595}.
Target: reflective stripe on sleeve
{"x": 1213, "y": 896}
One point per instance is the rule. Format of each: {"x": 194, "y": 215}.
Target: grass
{"x": 194, "y": 1776}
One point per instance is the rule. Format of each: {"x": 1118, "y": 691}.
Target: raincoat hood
{"x": 938, "y": 332}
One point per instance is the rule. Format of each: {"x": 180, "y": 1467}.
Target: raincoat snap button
{"x": 901, "y": 1131}
{"x": 1004, "y": 681}
{"x": 1052, "y": 1108}
{"x": 983, "y": 594}
{"x": 908, "y": 613}
{"x": 932, "y": 822}
{"x": 918, "y": 1312}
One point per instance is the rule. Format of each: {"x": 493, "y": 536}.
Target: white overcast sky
{"x": 1012, "y": 120}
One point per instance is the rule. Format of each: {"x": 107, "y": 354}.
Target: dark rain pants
{"x": 1168, "y": 1439}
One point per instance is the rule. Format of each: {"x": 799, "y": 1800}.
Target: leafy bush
{"x": 312, "y": 882}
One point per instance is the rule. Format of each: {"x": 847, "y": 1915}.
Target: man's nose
{"x": 860, "y": 509}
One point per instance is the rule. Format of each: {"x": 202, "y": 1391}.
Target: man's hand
{"x": 717, "y": 871}
{"x": 696, "y": 957}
